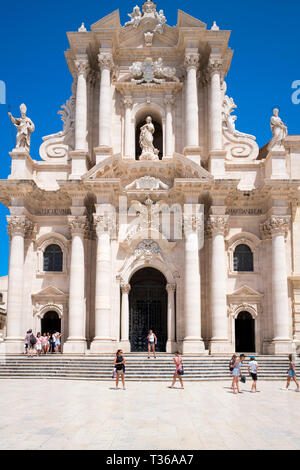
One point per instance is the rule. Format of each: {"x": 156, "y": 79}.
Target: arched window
{"x": 242, "y": 258}
{"x": 53, "y": 258}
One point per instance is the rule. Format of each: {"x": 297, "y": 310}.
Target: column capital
{"x": 127, "y": 101}
{"x": 78, "y": 225}
{"x": 17, "y": 225}
{"x": 192, "y": 223}
{"x": 191, "y": 60}
{"x": 125, "y": 288}
{"x": 169, "y": 100}
{"x": 215, "y": 65}
{"x": 171, "y": 287}
{"x": 275, "y": 225}
{"x": 105, "y": 60}
{"x": 104, "y": 224}
{"x": 217, "y": 225}
{"x": 81, "y": 66}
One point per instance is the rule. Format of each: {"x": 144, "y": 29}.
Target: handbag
{"x": 114, "y": 373}
{"x": 180, "y": 371}
{"x": 243, "y": 379}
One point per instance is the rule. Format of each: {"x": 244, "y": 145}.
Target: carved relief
{"x": 217, "y": 225}
{"x": 147, "y": 182}
{"x": 148, "y": 249}
{"x": 150, "y": 18}
{"x": 149, "y": 71}
{"x": 275, "y": 225}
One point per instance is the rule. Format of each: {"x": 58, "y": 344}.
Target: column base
{"x": 75, "y": 346}
{"x": 171, "y": 346}
{"x": 280, "y": 346}
{"x": 193, "y": 153}
{"x": 125, "y": 346}
{"x": 193, "y": 346}
{"x": 220, "y": 346}
{"x": 103, "y": 345}
{"x": 102, "y": 153}
{"x": 217, "y": 162}
{"x": 79, "y": 162}
{"x": 14, "y": 345}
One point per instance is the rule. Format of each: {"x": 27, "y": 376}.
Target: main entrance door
{"x": 244, "y": 333}
{"x": 51, "y": 323}
{"x": 148, "y": 309}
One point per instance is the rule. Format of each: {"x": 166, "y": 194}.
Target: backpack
{"x": 32, "y": 339}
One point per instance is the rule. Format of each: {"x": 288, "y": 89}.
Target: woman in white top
{"x": 152, "y": 341}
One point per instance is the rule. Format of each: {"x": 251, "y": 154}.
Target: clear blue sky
{"x": 265, "y": 39}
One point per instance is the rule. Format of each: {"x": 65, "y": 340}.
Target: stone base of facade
{"x": 220, "y": 346}
{"x": 125, "y": 346}
{"x": 171, "y": 346}
{"x": 103, "y": 345}
{"x": 14, "y": 345}
{"x": 280, "y": 347}
{"x": 75, "y": 346}
{"x": 193, "y": 346}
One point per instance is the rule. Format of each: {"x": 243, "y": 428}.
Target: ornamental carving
{"x": 193, "y": 223}
{"x": 275, "y": 225}
{"x": 191, "y": 60}
{"x": 171, "y": 287}
{"x": 77, "y": 225}
{"x": 82, "y": 67}
{"x": 215, "y": 65}
{"x": 125, "y": 288}
{"x": 18, "y": 225}
{"x": 147, "y": 182}
{"x": 104, "y": 224}
{"x": 105, "y": 60}
{"x": 148, "y": 249}
{"x": 152, "y": 71}
{"x": 217, "y": 225}
{"x": 127, "y": 101}
{"x": 153, "y": 20}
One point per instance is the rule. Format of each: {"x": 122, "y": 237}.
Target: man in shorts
{"x": 252, "y": 369}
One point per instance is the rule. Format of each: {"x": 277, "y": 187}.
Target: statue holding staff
{"x": 24, "y": 127}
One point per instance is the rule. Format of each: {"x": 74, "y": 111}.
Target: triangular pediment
{"x": 187, "y": 21}
{"x": 245, "y": 292}
{"x": 110, "y": 21}
{"x": 134, "y": 38}
{"x": 49, "y": 291}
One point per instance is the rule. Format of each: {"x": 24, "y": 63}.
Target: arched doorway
{"x": 157, "y": 137}
{"x": 244, "y": 332}
{"x": 148, "y": 309}
{"x": 50, "y": 322}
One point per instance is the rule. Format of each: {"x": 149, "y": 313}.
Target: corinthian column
{"x": 105, "y": 63}
{"x": 171, "y": 316}
{"x": 191, "y": 62}
{"x": 125, "y": 345}
{"x": 215, "y": 103}
{"x": 216, "y": 228}
{"x": 169, "y": 101}
{"x": 277, "y": 228}
{"x": 103, "y": 342}
{"x": 192, "y": 342}
{"x": 15, "y": 334}
{"x": 128, "y": 148}
{"x": 76, "y": 342}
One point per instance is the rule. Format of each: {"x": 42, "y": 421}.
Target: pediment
{"x": 49, "y": 291}
{"x": 245, "y": 292}
{"x": 132, "y": 38}
{"x": 184, "y": 20}
{"x": 108, "y": 22}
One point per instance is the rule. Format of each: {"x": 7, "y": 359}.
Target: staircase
{"x": 138, "y": 367}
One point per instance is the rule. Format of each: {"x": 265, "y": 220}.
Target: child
{"x": 252, "y": 370}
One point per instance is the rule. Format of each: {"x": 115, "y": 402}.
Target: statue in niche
{"x": 135, "y": 17}
{"x": 146, "y": 141}
{"x": 278, "y": 128}
{"x": 24, "y": 127}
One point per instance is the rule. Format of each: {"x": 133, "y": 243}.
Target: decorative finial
{"x": 214, "y": 27}
{"x": 82, "y": 28}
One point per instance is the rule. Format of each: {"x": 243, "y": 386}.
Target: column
{"x": 76, "y": 342}
{"x": 128, "y": 148}
{"x": 215, "y": 101}
{"x": 277, "y": 228}
{"x": 191, "y": 63}
{"x": 192, "y": 342}
{"x": 14, "y": 341}
{"x": 171, "y": 317}
{"x": 105, "y": 119}
{"x": 103, "y": 342}
{"x": 216, "y": 228}
{"x": 81, "y": 105}
{"x": 169, "y": 101}
{"x": 125, "y": 345}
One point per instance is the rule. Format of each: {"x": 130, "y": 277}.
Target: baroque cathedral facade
{"x": 150, "y": 210}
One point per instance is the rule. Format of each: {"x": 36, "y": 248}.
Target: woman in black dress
{"x": 119, "y": 364}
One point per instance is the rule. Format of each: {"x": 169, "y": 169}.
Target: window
{"x": 53, "y": 258}
{"x": 242, "y": 258}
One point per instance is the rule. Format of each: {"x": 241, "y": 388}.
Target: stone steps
{"x": 138, "y": 367}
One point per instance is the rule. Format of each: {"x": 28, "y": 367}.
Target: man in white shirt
{"x": 252, "y": 370}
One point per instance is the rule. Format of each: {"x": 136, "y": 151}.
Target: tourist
{"x": 178, "y": 370}
{"x": 44, "y": 340}
{"x": 236, "y": 373}
{"x": 27, "y": 339}
{"x": 231, "y": 363}
{"x": 119, "y": 364}
{"x": 252, "y": 370}
{"x": 38, "y": 344}
{"x": 31, "y": 341}
{"x": 292, "y": 374}
{"x": 152, "y": 341}
{"x": 56, "y": 342}
{"x": 49, "y": 343}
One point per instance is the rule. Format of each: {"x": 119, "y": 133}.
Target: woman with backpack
{"x": 178, "y": 369}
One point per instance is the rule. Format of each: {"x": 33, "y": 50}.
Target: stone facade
{"x": 201, "y": 190}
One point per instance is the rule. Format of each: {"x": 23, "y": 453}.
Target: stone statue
{"x": 146, "y": 141}
{"x": 159, "y": 28}
{"x": 278, "y": 128}
{"x": 24, "y": 127}
{"x": 135, "y": 17}
{"x": 149, "y": 71}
